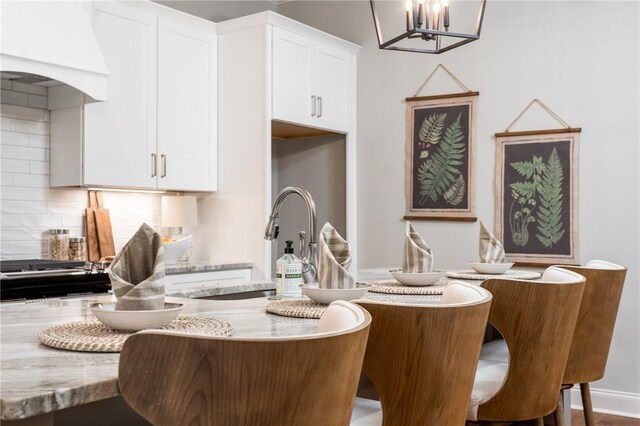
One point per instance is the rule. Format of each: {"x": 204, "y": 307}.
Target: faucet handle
{"x": 275, "y": 234}
{"x": 303, "y": 237}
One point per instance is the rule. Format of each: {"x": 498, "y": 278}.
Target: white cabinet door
{"x": 120, "y": 134}
{"x": 331, "y": 70}
{"x": 187, "y": 117}
{"x": 292, "y": 78}
{"x": 310, "y": 82}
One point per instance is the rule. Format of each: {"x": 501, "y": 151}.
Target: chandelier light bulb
{"x": 420, "y": 13}
{"x": 436, "y": 16}
{"x": 445, "y": 13}
{"x": 409, "y": 6}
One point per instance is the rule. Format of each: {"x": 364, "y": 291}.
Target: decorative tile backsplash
{"x": 28, "y": 206}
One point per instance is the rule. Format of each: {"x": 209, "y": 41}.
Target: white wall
{"x": 218, "y": 10}
{"x": 28, "y": 206}
{"x": 581, "y": 59}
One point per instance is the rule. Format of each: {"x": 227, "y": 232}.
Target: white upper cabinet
{"x": 293, "y": 61}
{"x": 332, "y": 71}
{"x": 310, "y": 81}
{"x": 187, "y": 151}
{"x": 158, "y": 128}
{"x": 120, "y": 134}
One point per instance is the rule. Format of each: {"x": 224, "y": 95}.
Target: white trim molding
{"x": 606, "y": 401}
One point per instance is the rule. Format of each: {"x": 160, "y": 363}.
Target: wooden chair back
{"x": 537, "y": 320}
{"x": 422, "y": 359}
{"x": 173, "y": 379}
{"x": 596, "y": 321}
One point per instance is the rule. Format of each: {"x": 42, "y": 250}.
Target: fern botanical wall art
{"x": 536, "y": 216}
{"x": 439, "y": 165}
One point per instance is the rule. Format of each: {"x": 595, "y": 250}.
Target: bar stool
{"x": 592, "y": 337}
{"x": 422, "y": 358}
{"x": 172, "y": 379}
{"x": 519, "y": 378}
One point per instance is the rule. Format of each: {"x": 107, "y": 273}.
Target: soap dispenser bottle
{"x": 288, "y": 273}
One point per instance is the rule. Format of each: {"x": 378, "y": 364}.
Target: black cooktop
{"x": 54, "y": 279}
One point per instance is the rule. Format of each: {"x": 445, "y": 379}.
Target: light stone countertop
{"x": 36, "y": 379}
{"x": 203, "y": 266}
{"x": 200, "y": 290}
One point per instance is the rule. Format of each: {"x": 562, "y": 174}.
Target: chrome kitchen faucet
{"x": 309, "y": 256}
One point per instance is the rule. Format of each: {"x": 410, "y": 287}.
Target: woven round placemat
{"x": 394, "y": 287}
{"x": 512, "y": 274}
{"x": 94, "y": 336}
{"x": 297, "y": 308}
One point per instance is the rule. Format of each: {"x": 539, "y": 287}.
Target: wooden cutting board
{"x": 93, "y": 250}
{"x": 103, "y": 226}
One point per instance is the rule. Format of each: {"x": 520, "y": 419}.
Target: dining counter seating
{"x": 594, "y": 328}
{"x": 519, "y": 377}
{"x": 173, "y": 379}
{"x": 422, "y": 358}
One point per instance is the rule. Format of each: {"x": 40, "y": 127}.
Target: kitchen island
{"x": 42, "y": 385}
{"x": 39, "y": 380}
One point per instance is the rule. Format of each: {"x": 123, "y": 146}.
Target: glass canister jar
{"x": 77, "y": 249}
{"x": 59, "y": 244}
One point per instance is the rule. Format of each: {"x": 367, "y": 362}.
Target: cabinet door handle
{"x": 164, "y": 166}
{"x": 154, "y": 165}
{"x": 313, "y": 105}
{"x": 319, "y": 107}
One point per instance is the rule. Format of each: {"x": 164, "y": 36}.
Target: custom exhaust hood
{"x": 53, "y": 39}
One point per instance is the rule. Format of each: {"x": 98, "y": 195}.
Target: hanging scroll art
{"x": 440, "y": 155}
{"x": 537, "y": 200}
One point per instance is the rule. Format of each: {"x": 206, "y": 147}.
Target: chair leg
{"x": 586, "y": 404}
{"x": 539, "y": 421}
{"x": 558, "y": 415}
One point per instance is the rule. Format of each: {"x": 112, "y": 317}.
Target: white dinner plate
{"x": 490, "y": 268}
{"x": 134, "y": 320}
{"x": 420, "y": 279}
{"x": 325, "y": 296}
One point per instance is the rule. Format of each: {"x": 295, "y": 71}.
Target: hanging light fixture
{"x": 428, "y": 20}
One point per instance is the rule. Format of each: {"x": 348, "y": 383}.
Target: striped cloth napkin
{"x": 334, "y": 257}
{"x": 137, "y": 272}
{"x": 417, "y": 256}
{"x": 491, "y": 251}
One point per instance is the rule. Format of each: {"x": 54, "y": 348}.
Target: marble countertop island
{"x": 37, "y": 379}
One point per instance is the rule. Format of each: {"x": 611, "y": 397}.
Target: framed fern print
{"x": 440, "y": 157}
{"x": 537, "y": 199}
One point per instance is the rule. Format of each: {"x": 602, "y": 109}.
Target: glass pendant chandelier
{"x": 429, "y": 21}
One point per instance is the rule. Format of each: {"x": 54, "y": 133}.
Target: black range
{"x": 35, "y": 279}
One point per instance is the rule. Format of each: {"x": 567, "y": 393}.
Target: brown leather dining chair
{"x": 519, "y": 377}
{"x": 422, "y": 358}
{"x": 594, "y": 329}
{"x": 177, "y": 379}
